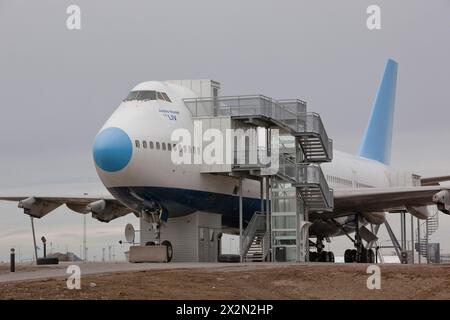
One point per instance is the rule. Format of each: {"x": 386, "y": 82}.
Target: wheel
{"x": 44, "y": 261}
{"x": 324, "y": 257}
{"x": 150, "y": 243}
{"x": 370, "y": 256}
{"x": 229, "y": 258}
{"x": 330, "y": 256}
{"x": 364, "y": 255}
{"x": 169, "y": 249}
{"x": 313, "y": 256}
{"x": 354, "y": 254}
{"x": 348, "y": 257}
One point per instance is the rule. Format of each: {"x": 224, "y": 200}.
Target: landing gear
{"x": 360, "y": 254}
{"x": 154, "y": 218}
{"x": 169, "y": 249}
{"x": 321, "y": 255}
{"x": 366, "y": 256}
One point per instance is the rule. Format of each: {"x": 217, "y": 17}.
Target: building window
{"x": 169, "y": 146}
{"x": 158, "y": 146}
{"x": 137, "y": 143}
{"x": 151, "y": 145}
{"x": 144, "y": 144}
{"x": 164, "y": 146}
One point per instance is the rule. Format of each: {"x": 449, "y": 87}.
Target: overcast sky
{"x": 58, "y": 87}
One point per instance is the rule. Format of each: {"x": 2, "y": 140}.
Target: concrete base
{"x": 148, "y": 254}
{"x": 193, "y": 237}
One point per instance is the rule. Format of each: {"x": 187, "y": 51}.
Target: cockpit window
{"x": 133, "y": 95}
{"x": 147, "y": 95}
{"x": 166, "y": 97}
{"x": 143, "y": 95}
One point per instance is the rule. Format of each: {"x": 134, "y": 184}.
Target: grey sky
{"x": 57, "y": 87}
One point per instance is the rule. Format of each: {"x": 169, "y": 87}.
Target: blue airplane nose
{"x": 112, "y": 149}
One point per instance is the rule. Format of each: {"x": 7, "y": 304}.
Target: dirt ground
{"x": 312, "y": 281}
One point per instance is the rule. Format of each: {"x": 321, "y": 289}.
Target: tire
{"x": 324, "y": 257}
{"x": 150, "y": 243}
{"x": 169, "y": 249}
{"x": 354, "y": 254}
{"x": 330, "y": 256}
{"x": 348, "y": 257}
{"x": 371, "y": 256}
{"x": 313, "y": 256}
{"x": 364, "y": 255}
{"x": 229, "y": 258}
{"x": 45, "y": 261}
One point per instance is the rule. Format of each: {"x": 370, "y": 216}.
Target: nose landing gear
{"x": 154, "y": 218}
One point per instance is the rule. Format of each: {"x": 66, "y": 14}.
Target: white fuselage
{"x": 152, "y": 168}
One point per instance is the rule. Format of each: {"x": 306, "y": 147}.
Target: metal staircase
{"x": 255, "y": 244}
{"x": 297, "y": 184}
{"x": 289, "y": 115}
{"x": 427, "y": 228}
{"x": 255, "y": 252}
{"x": 308, "y": 178}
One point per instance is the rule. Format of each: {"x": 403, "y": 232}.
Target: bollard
{"x": 44, "y": 244}
{"x": 13, "y": 261}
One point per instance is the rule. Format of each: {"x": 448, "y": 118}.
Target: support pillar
{"x": 418, "y": 240}
{"x": 261, "y": 193}
{"x": 302, "y": 225}
{"x": 240, "y": 220}
{"x": 426, "y": 241}
{"x": 34, "y": 240}
{"x": 268, "y": 217}
{"x": 412, "y": 239}
{"x": 403, "y": 231}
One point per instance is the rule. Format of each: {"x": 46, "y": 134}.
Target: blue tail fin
{"x": 377, "y": 140}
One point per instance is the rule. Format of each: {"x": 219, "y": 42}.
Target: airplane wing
{"x": 390, "y": 199}
{"x": 434, "y": 181}
{"x": 103, "y": 207}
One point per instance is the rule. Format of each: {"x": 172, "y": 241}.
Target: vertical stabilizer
{"x": 377, "y": 140}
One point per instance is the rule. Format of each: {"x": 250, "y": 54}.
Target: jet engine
{"x": 442, "y": 200}
{"x": 105, "y": 211}
{"x": 36, "y": 207}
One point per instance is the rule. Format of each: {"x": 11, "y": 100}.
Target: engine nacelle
{"x": 375, "y": 217}
{"x": 36, "y": 207}
{"x": 420, "y": 212}
{"x": 442, "y": 200}
{"x": 105, "y": 211}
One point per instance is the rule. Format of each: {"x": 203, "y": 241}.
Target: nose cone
{"x": 112, "y": 149}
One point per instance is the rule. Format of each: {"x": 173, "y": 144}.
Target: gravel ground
{"x": 302, "y": 281}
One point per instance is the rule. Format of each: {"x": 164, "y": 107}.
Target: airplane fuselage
{"x": 140, "y": 173}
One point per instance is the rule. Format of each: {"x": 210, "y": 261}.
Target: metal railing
{"x": 288, "y": 114}
{"x": 256, "y": 223}
{"x": 291, "y": 113}
{"x": 429, "y": 227}
{"x": 312, "y": 174}
{"x": 294, "y": 105}
{"x": 305, "y": 175}
{"x": 266, "y": 245}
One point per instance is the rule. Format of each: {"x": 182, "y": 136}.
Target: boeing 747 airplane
{"x": 132, "y": 155}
